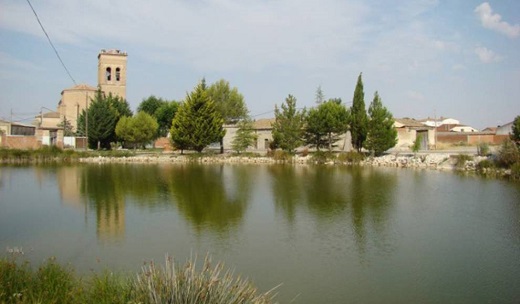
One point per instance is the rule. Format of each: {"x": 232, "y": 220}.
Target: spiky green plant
{"x": 184, "y": 284}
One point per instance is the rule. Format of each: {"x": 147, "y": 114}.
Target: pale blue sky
{"x": 457, "y": 59}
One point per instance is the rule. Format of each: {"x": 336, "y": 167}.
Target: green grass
{"x": 53, "y": 154}
{"x": 171, "y": 283}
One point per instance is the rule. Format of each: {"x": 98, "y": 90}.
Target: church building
{"x": 111, "y": 80}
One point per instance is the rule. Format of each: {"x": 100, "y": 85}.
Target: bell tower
{"x": 112, "y": 72}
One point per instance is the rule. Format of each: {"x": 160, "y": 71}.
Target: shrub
{"x": 483, "y": 149}
{"x": 281, "y": 155}
{"x": 485, "y": 164}
{"x": 462, "y": 159}
{"x": 417, "y": 144}
{"x": 515, "y": 171}
{"x": 352, "y": 157}
{"x": 322, "y": 157}
{"x": 52, "y": 283}
{"x": 183, "y": 284}
{"x": 508, "y": 154}
{"x": 305, "y": 151}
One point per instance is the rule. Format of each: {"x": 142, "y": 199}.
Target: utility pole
{"x": 86, "y": 122}
{"x": 435, "y": 124}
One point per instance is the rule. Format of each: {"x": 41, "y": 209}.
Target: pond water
{"x": 327, "y": 234}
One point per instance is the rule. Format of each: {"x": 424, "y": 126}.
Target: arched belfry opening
{"x": 112, "y": 72}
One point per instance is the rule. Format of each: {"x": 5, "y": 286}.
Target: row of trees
{"x": 321, "y": 126}
{"x": 198, "y": 121}
{"x": 109, "y": 119}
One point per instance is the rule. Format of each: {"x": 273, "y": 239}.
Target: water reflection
{"x": 363, "y": 195}
{"x": 211, "y": 197}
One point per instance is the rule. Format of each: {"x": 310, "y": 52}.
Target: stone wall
{"x": 20, "y": 142}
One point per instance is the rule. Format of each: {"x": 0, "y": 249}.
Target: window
{"x": 118, "y": 74}
{"x": 108, "y": 74}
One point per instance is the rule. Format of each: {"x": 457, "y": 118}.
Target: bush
{"x": 483, "y": 149}
{"x": 515, "y": 171}
{"x": 52, "y": 283}
{"x": 508, "y": 154}
{"x": 322, "y": 157}
{"x": 485, "y": 164}
{"x": 462, "y": 159}
{"x": 281, "y": 155}
{"x": 183, "y": 284}
{"x": 352, "y": 157}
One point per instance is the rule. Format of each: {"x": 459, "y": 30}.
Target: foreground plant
{"x": 53, "y": 283}
{"x": 184, "y": 284}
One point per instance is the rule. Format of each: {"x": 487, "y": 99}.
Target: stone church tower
{"x": 111, "y": 79}
{"x": 112, "y": 72}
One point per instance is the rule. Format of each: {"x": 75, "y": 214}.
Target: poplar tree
{"x": 197, "y": 122}
{"x": 358, "y": 116}
{"x": 288, "y": 127}
{"x": 381, "y": 133}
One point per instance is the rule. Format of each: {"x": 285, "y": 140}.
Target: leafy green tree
{"x": 102, "y": 116}
{"x": 151, "y": 104}
{"x": 288, "y": 128}
{"x": 358, "y": 116}
{"x": 164, "y": 115}
{"x": 325, "y": 124}
{"x": 229, "y": 102}
{"x": 245, "y": 136}
{"x": 515, "y": 135}
{"x": 124, "y": 130}
{"x": 381, "y": 134}
{"x": 198, "y": 122}
{"x": 139, "y": 129}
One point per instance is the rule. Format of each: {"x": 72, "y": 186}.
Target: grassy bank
{"x": 170, "y": 283}
{"x": 52, "y": 154}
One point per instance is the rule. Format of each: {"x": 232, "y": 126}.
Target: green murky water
{"x": 327, "y": 234}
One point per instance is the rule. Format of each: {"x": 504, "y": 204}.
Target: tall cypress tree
{"x": 197, "y": 122}
{"x": 358, "y": 116}
{"x": 381, "y": 134}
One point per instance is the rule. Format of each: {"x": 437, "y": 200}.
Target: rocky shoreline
{"x": 437, "y": 161}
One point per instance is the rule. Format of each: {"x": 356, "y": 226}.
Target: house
{"x": 18, "y": 136}
{"x": 264, "y": 132}
{"x": 409, "y": 130}
{"x": 442, "y": 123}
{"x": 490, "y": 130}
{"x": 506, "y": 129}
{"x": 463, "y": 128}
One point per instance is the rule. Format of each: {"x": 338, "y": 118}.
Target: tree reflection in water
{"x": 213, "y": 197}
{"x": 329, "y": 194}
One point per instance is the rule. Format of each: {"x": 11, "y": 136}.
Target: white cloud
{"x": 487, "y": 56}
{"x": 493, "y": 21}
{"x": 208, "y": 34}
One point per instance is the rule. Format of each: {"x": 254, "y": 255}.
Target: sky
{"x": 426, "y": 58}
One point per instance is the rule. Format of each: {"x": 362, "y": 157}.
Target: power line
{"x": 52, "y": 45}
